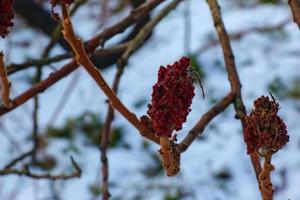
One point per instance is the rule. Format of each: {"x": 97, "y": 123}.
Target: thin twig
{"x": 5, "y": 83}
{"x": 238, "y": 35}
{"x": 28, "y": 173}
{"x": 266, "y": 187}
{"x": 135, "y": 15}
{"x": 13, "y": 68}
{"x": 295, "y": 8}
{"x": 204, "y": 121}
{"x": 35, "y": 117}
{"x": 232, "y": 73}
{"x": 18, "y": 159}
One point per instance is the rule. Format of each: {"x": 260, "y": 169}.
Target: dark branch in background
{"x": 56, "y": 33}
{"x": 135, "y": 15}
{"x": 105, "y": 62}
{"x": 35, "y": 116}
{"x": 28, "y": 173}
{"x": 238, "y": 35}
{"x": 295, "y": 8}
{"x": 92, "y": 44}
{"x": 133, "y": 45}
{"x": 51, "y": 80}
{"x": 139, "y": 15}
{"x": 13, "y": 68}
{"x": 232, "y": 73}
{"x": 139, "y": 24}
{"x": 18, "y": 159}
{"x": 38, "y": 17}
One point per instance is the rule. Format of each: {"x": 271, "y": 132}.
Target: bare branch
{"x": 37, "y": 62}
{"x": 204, "y": 121}
{"x": 266, "y": 186}
{"x": 238, "y": 35}
{"x": 28, "y": 173}
{"x": 135, "y": 15}
{"x": 18, "y": 159}
{"x": 232, "y": 73}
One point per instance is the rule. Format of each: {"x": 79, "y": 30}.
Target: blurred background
{"x": 68, "y": 117}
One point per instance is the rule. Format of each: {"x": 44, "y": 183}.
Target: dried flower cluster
{"x": 6, "y": 15}
{"x": 171, "y": 98}
{"x": 265, "y": 132}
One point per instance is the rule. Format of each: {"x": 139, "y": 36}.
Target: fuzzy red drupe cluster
{"x": 171, "y": 98}
{"x": 6, "y": 15}
{"x": 264, "y": 129}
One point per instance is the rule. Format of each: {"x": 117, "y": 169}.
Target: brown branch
{"x": 145, "y": 31}
{"x": 170, "y": 156}
{"x": 82, "y": 58}
{"x": 135, "y": 15}
{"x": 295, "y": 8}
{"x": 204, "y": 121}
{"x": 52, "y": 79}
{"x": 28, "y": 173}
{"x": 105, "y": 135}
{"x": 132, "y": 47}
{"x": 232, "y": 73}
{"x": 5, "y": 84}
{"x": 266, "y": 187}
{"x": 238, "y": 35}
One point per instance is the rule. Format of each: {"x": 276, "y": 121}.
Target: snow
{"x": 259, "y": 59}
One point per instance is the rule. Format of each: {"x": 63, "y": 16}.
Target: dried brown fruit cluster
{"x": 265, "y": 132}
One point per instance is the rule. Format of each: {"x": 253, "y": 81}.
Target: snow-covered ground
{"x": 215, "y": 167}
